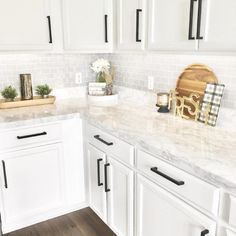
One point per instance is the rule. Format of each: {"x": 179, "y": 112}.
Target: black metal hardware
{"x": 106, "y": 29}
{"x": 105, "y": 174}
{"x": 190, "y": 33}
{"x": 205, "y": 232}
{"x": 50, "y": 29}
{"x": 31, "y": 135}
{"x": 138, "y": 11}
{"x": 98, "y": 171}
{"x": 177, "y": 182}
{"x": 199, "y": 20}
{"x": 102, "y": 140}
{"x": 4, "y": 174}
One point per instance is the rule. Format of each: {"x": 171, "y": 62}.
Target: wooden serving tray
{"x": 36, "y": 101}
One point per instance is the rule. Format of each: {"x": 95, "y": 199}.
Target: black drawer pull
{"x": 31, "y": 135}
{"x": 106, "y": 28}
{"x": 177, "y": 182}
{"x": 50, "y": 29}
{"x": 102, "y": 140}
{"x": 105, "y": 174}
{"x": 98, "y": 172}
{"x": 138, "y": 11}
{"x": 4, "y": 174}
{"x": 199, "y": 20}
{"x": 190, "y": 33}
{"x": 205, "y": 232}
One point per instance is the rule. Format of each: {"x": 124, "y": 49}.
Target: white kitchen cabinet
{"x": 169, "y": 25}
{"x": 88, "y": 25}
{"x": 130, "y": 24}
{"x": 120, "y": 198}
{"x": 25, "y": 25}
{"x": 97, "y": 194}
{"x": 32, "y": 183}
{"x": 225, "y": 232}
{"x": 160, "y": 213}
{"x": 218, "y": 25}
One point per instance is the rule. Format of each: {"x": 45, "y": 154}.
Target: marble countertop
{"x": 206, "y": 152}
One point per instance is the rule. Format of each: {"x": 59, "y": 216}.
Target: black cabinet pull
{"x": 190, "y": 32}
{"x": 177, "y": 182}
{"x": 98, "y": 172}
{"x": 105, "y": 174}
{"x": 31, "y": 135}
{"x": 138, "y": 11}
{"x": 205, "y": 232}
{"x": 199, "y": 20}
{"x": 102, "y": 140}
{"x": 4, "y": 174}
{"x": 50, "y": 29}
{"x": 106, "y": 28}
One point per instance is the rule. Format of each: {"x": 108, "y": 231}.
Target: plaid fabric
{"x": 212, "y": 99}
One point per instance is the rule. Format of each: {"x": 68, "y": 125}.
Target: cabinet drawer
{"x": 111, "y": 145}
{"x": 29, "y": 135}
{"x": 189, "y": 187}
{"x": 232, "y": 211}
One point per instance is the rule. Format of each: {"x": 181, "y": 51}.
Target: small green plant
{"x": 9, "y": 93}
{"x": 43, "y": 90}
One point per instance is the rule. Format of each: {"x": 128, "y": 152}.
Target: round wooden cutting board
{"x": 194, "y": 80}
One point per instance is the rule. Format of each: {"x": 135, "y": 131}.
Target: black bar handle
{"x": 50, "y": 29}
{"x": 190, "y": 32}
{"x": 106, "y": 28}
{"x": 199, "y": 20}
{"x": 102, "y": 140}
{"x": 105, "y": 174}
{"x": 4, "y": 174}
{"x": 205, "y": 232}
{"x": 138, "y": 11}
{"x": 177, "y": 182}
{"x": 98, "y": 172}
{"x": 31, "y": 135}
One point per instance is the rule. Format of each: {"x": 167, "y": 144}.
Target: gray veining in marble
{"x": 206, "y": 152}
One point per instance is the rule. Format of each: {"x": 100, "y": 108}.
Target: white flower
{"x": 100, "y": 65}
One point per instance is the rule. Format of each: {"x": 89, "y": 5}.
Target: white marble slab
{"x": 206, "y": 152}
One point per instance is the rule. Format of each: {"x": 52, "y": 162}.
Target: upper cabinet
{"x": 130, "y": 24}
{"x": 218, "y": 25}
{"x": 88, "y": 25}
{"x": 25, "y": 25}
{"x": 170, "y": 25}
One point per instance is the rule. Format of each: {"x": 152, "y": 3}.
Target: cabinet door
{"x": 169, "y": 25}
{"x": 33, "y": 184}
{"x": 218, "y": 26}
{"x": 130, "y": 24}
{"x": 87, "y": 24}
{"x": 160, "y": 213}
{"x": 120, "y": 198}
{"x": 97, "y": 194}
{"x": 24, "y": 25}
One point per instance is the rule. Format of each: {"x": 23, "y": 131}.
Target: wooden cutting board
{"x": 194, "y": 80}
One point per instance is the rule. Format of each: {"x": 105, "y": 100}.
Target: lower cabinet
{"x": 160, "y": 213}
{"x": 111, "y": 191}
{"x": 33, "y": 183}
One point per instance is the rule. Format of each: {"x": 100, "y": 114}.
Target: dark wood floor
{"x": 81, "y": 223}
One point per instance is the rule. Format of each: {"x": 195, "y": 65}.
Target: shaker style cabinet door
{"x": 171, "y": 26}
{"x": 160, "y": 213}
{"x": 97, "y": 194}
{"x": 87, "y": 25}
{"x": 130, "y": 24}
{"x": 218, "y": 25}
{"x": 25, "y": 25}
{"x": 120, "y": 198}
{"x": 32, "y": 185}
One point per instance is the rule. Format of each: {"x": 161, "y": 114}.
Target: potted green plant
{"x": 9, "y": 93}
{"x": 43, "y": 90}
